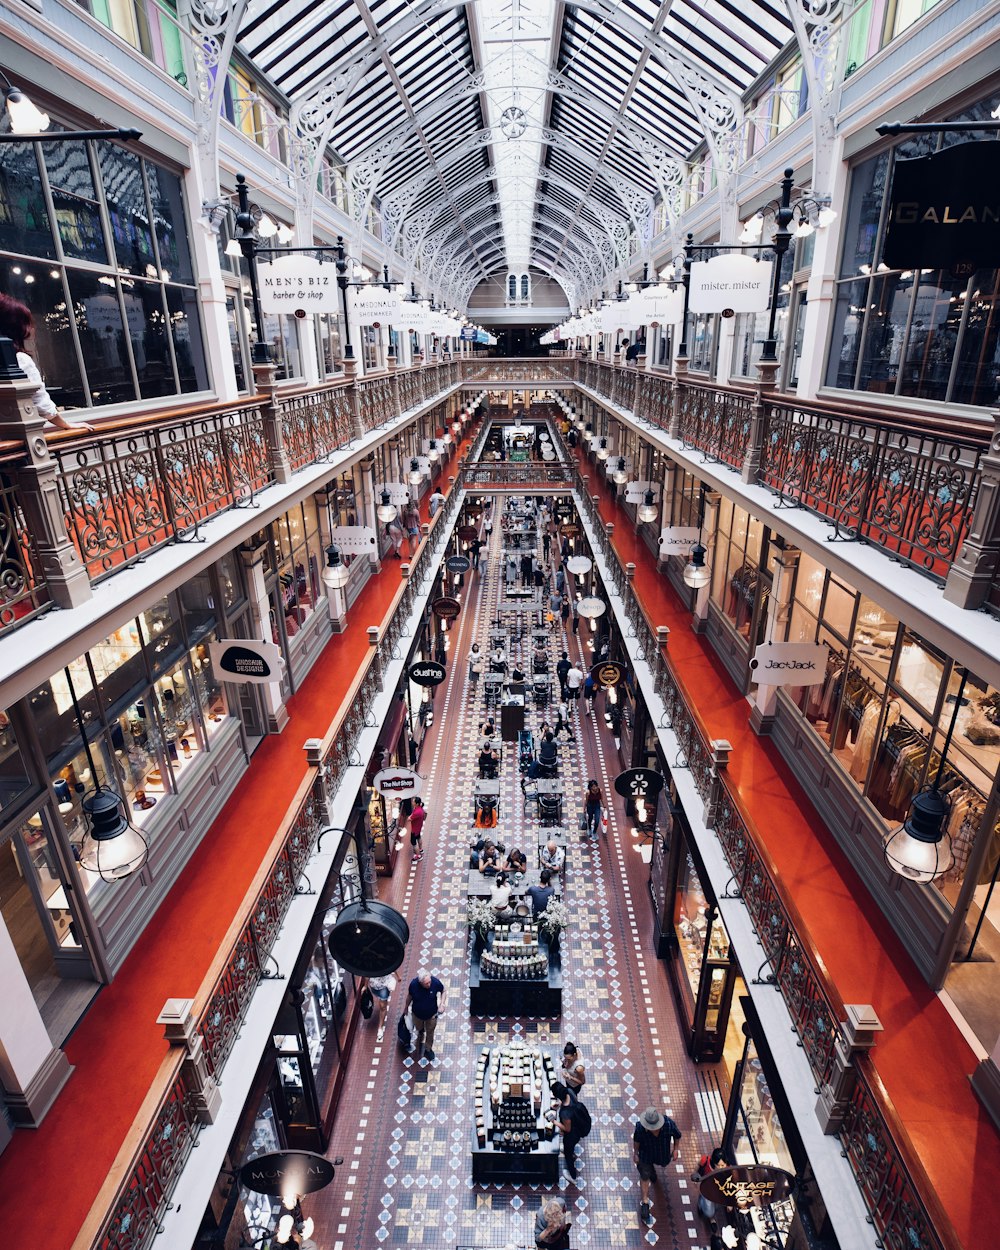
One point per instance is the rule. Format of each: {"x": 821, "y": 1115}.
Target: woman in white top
{"x": 17, "y": 324}
{"x": 500, "y": 897}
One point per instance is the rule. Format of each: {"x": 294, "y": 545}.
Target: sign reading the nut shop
{"x": 755, "y": 1185}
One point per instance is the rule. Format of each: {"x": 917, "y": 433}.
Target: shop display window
{"x": 34, "y": 854}
{"x": 736, "y": 565}
{"x": 691, "y": 923}
{"x": 759, "y": 1138}
{"x": 14, "y": 779}
{"x": 297, "y": 550}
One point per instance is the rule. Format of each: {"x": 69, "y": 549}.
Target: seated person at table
{"x": 517, "y": 861}
{"x": 498, "y": 660}
{"x": 489, "y": 761}
{"x": 486, "y": 812}
{"x": 552, "y": 857}
{"x": 548, "y": 752}
{"x": 500, "y": 897}
{"x": 489, "y": 859}
{"x": 487, "y": 728}
{"x": 540, "y": 894}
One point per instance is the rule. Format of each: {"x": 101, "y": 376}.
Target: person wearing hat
{"x": 654, "y": 1144}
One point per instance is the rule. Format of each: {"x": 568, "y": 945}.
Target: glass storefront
{"x": 297, "y": 549}
{"x": 923, "y": 334}
{"x": 94, "y": 240}
{"x": 736, "y": 568}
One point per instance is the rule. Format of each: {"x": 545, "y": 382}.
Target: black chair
{"x": 540, "y": 690}
{"x": 550, "y": 809}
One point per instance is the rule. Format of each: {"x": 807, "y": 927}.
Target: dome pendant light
{"x": 696, "y": 575}
{"x": 920, "y": 849}
{"x": 647, "y": 510}
{"x": 386, "y": 511}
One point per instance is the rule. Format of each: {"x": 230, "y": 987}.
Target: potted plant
{"x": 552, "y": 921}
{"x": 481, "y": 918}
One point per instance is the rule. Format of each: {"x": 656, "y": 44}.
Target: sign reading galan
{"x": 288, "y": 283}
{"x": 737, "y": 282}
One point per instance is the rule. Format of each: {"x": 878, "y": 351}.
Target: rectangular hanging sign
{"x": 677, "y": 540}
{"x": 374, "y": 305}
{"x": 635, "y": 492}
{"x": 663, "y": 306}
{"x": 246, "y": 660}
{"x": 289, "y": 284}
{"x": 354, "y": 540}
{"x": 789, "y": 663}
{"x": 398, "y": 492}
{"x": 944, "y": 209}
{"x": 413, "y": 315}
{"x": 730, "y": 282}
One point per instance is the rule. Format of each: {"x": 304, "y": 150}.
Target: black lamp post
{"x": 783, "y": 215}
{"x": 343, "y": 283}
{"x": 247, "y": 217}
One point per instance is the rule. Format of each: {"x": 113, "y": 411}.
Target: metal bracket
{"x": 768, "y": 980}
{"x": 736, "y": 891}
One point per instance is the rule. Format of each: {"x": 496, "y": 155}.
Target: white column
{"x": 310, "y": 356}
{"x": 821, "y": 293}
{"x": 32, "y": 1070}
{"x": 211, "y": 291}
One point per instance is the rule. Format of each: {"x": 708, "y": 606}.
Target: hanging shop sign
{"x": 373, "y": 304}
{"x": 398, "y": 492}
{"x": 354, "y": 540}
{"x": 446, "y": 608}
{"x": 426, "y": 673}
{"x": 789, "y": 663}
{"x": 635, "y": 492}
{"x": 944, "y": 209}
{"x": 287, "y": 1173}
{"x": 753, "y": 1185}
{"x": 404, "y": 783}
{"x": 639, "y": 783}
{"x": 663, "y": 306}
{"x": 246, "y": 660}
{"x": 608, "y": 673}
{"x": 413, "y": 315}
{"x": 467, "y": 533}
{"x": 677, "y": 540}
{"x": 570, "y": 531}
{"x": 292, "y": 283}
{"x": 458, "y": 564}
{"x": 730, "y": 281}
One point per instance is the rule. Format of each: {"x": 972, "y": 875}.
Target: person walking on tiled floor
{"x": 426, "y": 995}
{"x": 654, "y": 1144}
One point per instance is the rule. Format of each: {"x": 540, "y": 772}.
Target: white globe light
{"x": 386, "y": 511}
{"x": 696, "y": 574}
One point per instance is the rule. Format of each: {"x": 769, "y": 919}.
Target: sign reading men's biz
{"x": 944, "y": 209}
{"x": 289, "y": 283}
{"x": 789, "y": 663}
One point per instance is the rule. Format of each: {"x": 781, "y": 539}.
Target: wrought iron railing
{"x": 533, "y": 473}
{"x": 316, "y": 423}
{"x": 716, "y": 421}
{"x": 23, "y": 591}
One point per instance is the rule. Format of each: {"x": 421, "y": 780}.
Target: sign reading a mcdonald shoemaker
{"x": 944, "y": 209}
{"x": 752, "y": 1185}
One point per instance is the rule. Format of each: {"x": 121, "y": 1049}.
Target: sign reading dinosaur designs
{"x": 250, "y": 661}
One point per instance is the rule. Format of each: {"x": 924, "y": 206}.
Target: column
{"x": 699, "y": 616}
{"x": 253, "y": 562}
{"x": 822, "y": 290}
{"x": 369, "y": 503}
{"x": 32, "y": 1070}
{"x": 859, "y": 1033}
{"x": 211, "y": 289}
{"x": 765, "y": 701}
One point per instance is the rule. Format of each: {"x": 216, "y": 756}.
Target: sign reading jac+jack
{"x": 789, "y": 663}
{"x": 292, "y": 283}
{"x": 677, "y": 540}
{"x": 732, "y": 282}
{"x": 944, "y": 210}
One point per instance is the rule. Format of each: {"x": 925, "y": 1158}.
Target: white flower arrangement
{"x": 554, "y": 918}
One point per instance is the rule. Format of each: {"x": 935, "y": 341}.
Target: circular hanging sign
{"x": 591, "y": 607}
{"x": 369, "y": 938}
{"x": 754, "y": 1185}
{"x": 446, "y": 608}
{"x": 639, "y": 783}
{"x": 570, "y": 531}
{"x": 579, "y": 565}
{"x": 402, "y": 782}
{"x": 467, "y": 533}
{"x": 608, "y": 673}
{"x": 458, "y": 564}
{"x": 426, "y": 673}
{"x": 287, "y": 1173}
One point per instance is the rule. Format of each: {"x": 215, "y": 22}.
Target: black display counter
{"x": 489, "y": 996}
{"x": 538, "y": 1167}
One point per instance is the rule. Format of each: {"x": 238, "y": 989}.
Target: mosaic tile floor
{"x": 404, "y": 1126}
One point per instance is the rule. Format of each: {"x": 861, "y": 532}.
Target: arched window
{"x": 525, "y": 288}
{"x": 512, "y": 288}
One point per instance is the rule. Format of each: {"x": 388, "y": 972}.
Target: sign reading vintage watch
{"x": 287, "y": 1173}
{"x": 789, "y": 663}
{"x": 426, "y": 673}
{"x": 753, "y": 1185}
{"x": 608, "y": 673}
{"x": 402, "y": 782}
{"x": 944, "y": 209}
{"x": 369, "y": 938}
{"x": 251, "y": 661}
{"x": 458, "y": 564}
{"x": 446, "y": 608}
{"x": 639, "y": 783}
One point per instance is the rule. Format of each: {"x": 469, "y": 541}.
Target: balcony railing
{"x": 145, "y": 482}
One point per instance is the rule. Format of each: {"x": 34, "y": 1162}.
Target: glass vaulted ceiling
{"x": 510, "y": 133}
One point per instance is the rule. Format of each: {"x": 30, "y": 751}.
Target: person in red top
{"x": 417, "y": 818}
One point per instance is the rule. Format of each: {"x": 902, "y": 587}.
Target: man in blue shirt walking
{"x": 426, "y": 994}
